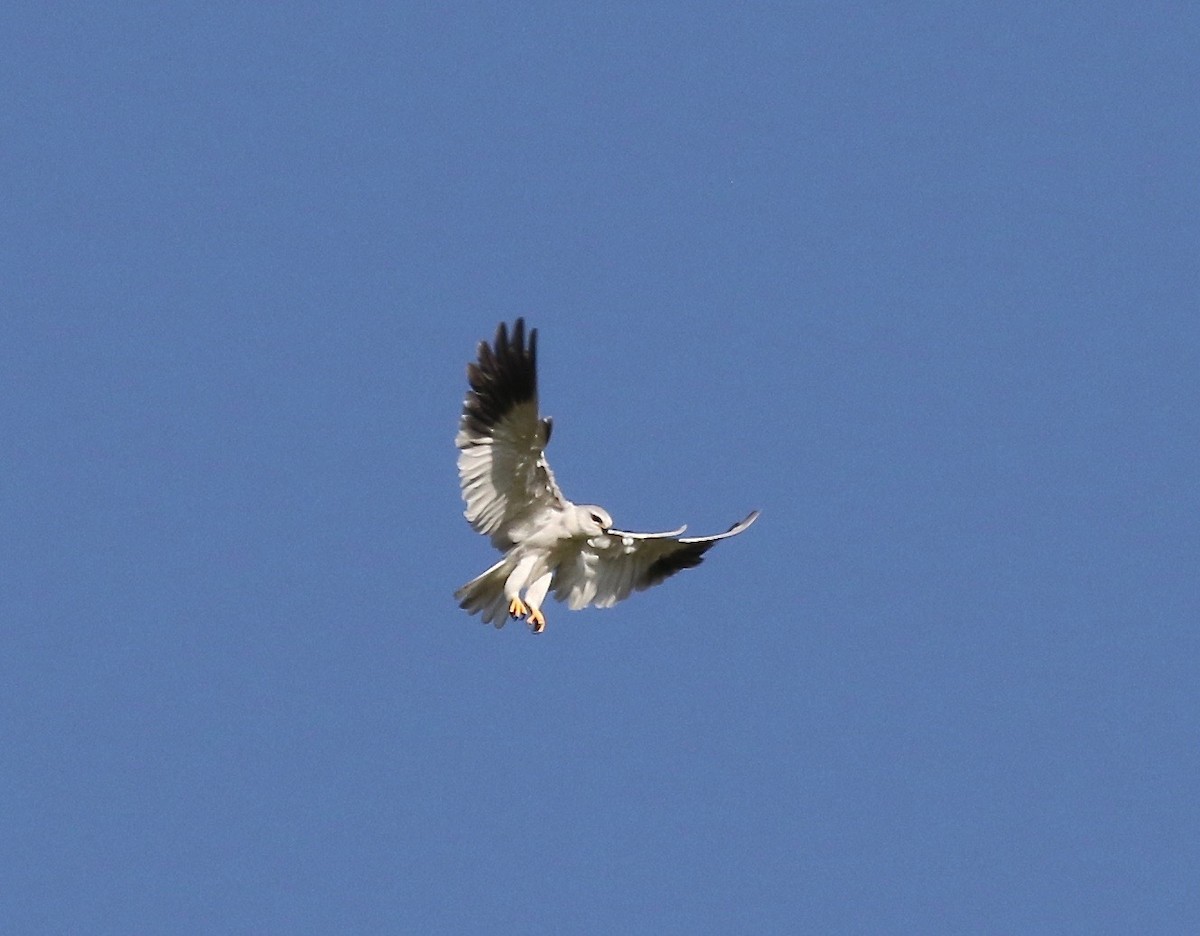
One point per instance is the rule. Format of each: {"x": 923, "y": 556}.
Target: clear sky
{"x": 919, "y": 281}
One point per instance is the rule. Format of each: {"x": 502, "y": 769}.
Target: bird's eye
{"x": 598, "y": 520}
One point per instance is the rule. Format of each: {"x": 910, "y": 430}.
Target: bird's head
{"x": 592, "y": 520}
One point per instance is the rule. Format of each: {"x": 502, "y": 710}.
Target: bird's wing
{"x": 501, "y": 466}
{"x": 606, "y": 569}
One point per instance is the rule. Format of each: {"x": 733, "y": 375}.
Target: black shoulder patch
{"x": 504, "y": 376}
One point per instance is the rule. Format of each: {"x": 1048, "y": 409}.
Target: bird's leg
{"x": 515, "y": 582}
{"x": 535, "y": 594}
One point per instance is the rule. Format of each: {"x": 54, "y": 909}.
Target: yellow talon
{"x": 516, "y": 608}
{"x": 537, "y": 620}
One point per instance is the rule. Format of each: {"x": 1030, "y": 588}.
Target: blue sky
{"x": 919, "y": 281}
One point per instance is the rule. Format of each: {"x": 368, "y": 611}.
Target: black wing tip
{"x": 503, "y": 376}
{"x": 663, "y": 568}
{"x": 746, "y": 521}
{"x": 690, "y": 555}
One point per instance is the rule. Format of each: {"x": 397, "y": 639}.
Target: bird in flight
{"x": 512, "y": 497}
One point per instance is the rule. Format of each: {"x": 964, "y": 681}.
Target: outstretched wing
{"x": 501, "y": 438}
{"x": 606, "y": 569}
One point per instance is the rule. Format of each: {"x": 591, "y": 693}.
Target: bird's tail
{"x": 484, "y": 594}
